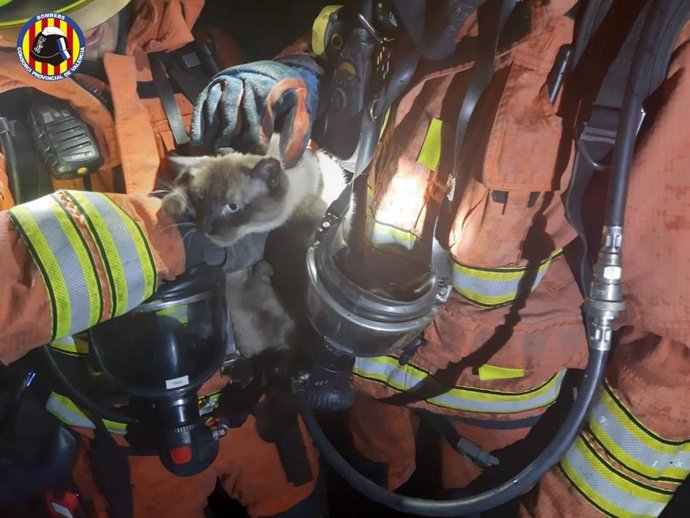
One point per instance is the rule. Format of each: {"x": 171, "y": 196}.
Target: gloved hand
{"x": 200, "y": 250}
{"x": 244, "y": 105}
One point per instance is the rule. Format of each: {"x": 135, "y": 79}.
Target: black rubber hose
{"x": 76, "y": 394}
{"x": 497, "y": 496}
{"x": 631, "y": 111}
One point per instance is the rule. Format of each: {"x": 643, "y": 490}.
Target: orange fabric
{"x": 651, "y": 376}
{"x": 90, "y": 110}
{"x": 162, "y": 25}
{"x": 650, "y": 368}
{"x": 520, "y": 133}
{"x": 386, "y": 434}
{"x": 159, "y": 26}
{"x": 134, "y": 132}
{"x": 249, "y": 470}
{"x": 656, "y": 259}
{"x": 6, "y": 200}
{"x": 24, "y": 312}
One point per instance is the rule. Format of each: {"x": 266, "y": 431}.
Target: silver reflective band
{"x": 607, "y": 489}
{"x": 492, "y": 287}
{"x": 635, "y": 447}
{"x": 408, "y": 378}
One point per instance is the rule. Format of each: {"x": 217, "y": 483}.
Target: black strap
{"x": 611, "y": 49}
{"x": 185, "y": 70}
{"x": 111, "y": 471}
{"x": 463, "y": 446}
{"x": 492, "y": 18}
{"x": 593, "y": 17}
{"x": 167, "y": 98}
{"x": 293, "y": 455}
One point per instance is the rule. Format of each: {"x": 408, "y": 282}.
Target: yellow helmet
{"x": 86, "y": 13}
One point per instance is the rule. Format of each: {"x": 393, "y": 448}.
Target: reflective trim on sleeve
{"x": 493, "y": 287}
{"x": 635, "y": 446}
{"x": 125, "y": 252}
{"x": 66, "y": 411}
{"x": 408, "y": 378}
{"x": 608, "y": 489}
{"x": 65, "y": 263}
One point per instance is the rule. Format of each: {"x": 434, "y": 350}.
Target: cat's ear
{"x": 185, "y": 167}
{"x": 268, "y": 170}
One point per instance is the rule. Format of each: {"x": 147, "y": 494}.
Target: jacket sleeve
{"x": 72, "y": 259}
{"x": 633, "y": 453}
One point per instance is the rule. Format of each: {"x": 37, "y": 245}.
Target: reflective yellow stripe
{"x": 85, "y": 260}
{"x": 493, "y": 287}
{"x": 65, "y": 262}
{"x": 384, "y": 125}
{"x": 124, "y": 250}
{"x": 66, "y": 411}
{"x": 493, "y": 372}
{"x": 51, "y": 273}
{"x": 318, "y": 30}
{"x": 408, "y": 378}
{"x": 488, "y": 287}
{"x": 109, "y": 252}
{"x": 608, "y": 489}
{"x": 635, "y": 446}
{"x": 430, "y": 154}
{"x": 382, "y": 236}
{"x": 145, "y": 256}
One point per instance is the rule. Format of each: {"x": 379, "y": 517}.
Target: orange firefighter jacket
{"x": 492, "y": 362}
{"x": 135, "y": 137}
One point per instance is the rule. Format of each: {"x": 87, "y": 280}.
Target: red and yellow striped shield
{"x": 50, "y": 46}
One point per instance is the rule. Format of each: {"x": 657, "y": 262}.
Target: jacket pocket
{"x": 511, "y": 197}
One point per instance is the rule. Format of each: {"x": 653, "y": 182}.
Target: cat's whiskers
{"x": 190, "y": 233}
{"x": 178, "y": 224}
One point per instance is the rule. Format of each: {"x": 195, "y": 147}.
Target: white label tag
{"x": 177, "y": 382}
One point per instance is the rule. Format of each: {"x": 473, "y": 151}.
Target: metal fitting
{"x": 605, "y": 300}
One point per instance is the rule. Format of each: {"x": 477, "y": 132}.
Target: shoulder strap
{"x": 492, "y": 18}
{"x": 604, "y": 51}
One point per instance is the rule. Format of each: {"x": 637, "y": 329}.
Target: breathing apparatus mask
{"x": 357, "y": 311}
{"x": 152, "y": 361}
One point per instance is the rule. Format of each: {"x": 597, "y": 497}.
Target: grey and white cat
{"x": 233, "y": 195}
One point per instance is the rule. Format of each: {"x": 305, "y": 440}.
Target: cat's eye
{"x": 230, "y": 208}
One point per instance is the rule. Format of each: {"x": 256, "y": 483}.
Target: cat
{"x": 236, "y": 194}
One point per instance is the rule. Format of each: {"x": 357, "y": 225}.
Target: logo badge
{"x": 51, "y": 46}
